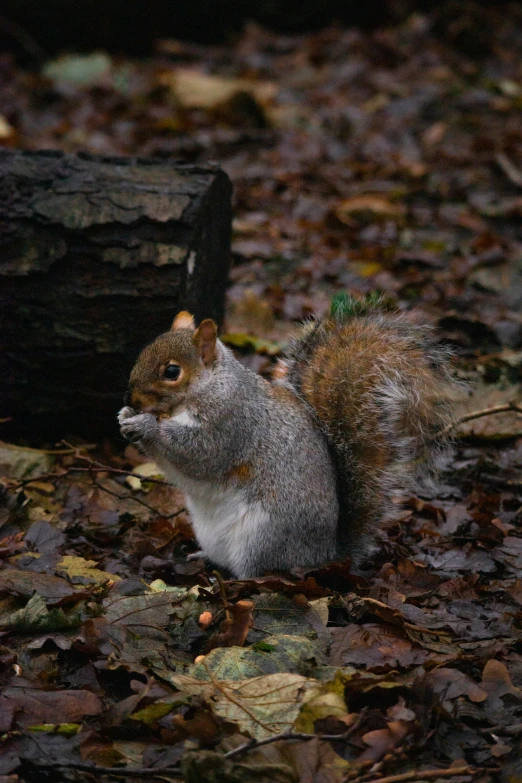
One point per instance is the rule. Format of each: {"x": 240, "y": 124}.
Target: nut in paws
{"x": 136, "y": 427}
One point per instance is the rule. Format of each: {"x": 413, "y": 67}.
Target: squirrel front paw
{"x": 137, "y": 427}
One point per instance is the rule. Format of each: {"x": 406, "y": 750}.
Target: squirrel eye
{"x": 172, "y": 372}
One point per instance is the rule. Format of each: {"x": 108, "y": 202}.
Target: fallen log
{"x": 96, "y": 255}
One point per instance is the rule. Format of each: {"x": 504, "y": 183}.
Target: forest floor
{"x": 387, "y": 160}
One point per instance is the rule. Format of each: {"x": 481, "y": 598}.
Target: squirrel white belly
{"x": 300, "y": 471}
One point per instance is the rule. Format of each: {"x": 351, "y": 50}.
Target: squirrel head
{"x": 161, "y": 379}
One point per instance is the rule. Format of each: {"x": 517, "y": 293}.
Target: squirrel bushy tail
{"x": 382, "y": 393}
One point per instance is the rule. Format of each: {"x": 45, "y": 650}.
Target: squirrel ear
{"x": 205, "y": 340}
{"x": 183, "y": 320}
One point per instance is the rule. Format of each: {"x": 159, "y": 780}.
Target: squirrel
{"x": 299, "y": 471}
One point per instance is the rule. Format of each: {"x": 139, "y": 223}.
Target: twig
{"x": 509, "y": 407}
{"x": 141, "y": 502}
{"x": 222, "y": 593}
{"x": 92, "y": 469}
{"x": 123, "y": 497}
{"x": 70, "y": 450}
{"x": 253, "y": 744}
{"x": 138, "y": 772}
{"x": 427, "y": 774}
{"x": 497, "y": 481}
{"x": 509, "y": 169}
{"x": 513, "y": 730}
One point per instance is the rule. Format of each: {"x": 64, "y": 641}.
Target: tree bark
{"x": 96, "y": 256}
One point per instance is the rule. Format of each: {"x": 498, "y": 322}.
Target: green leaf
{"x": 19, "y": 462}
{"x": 286, "y": 654}
{"x": 327, "y": 699}
{"x": 66, "y": 729}
{"x": 152, "y": 713}
{"x": 263, "y": 646}
{"x": 35, "y": 616}
{"x": 276, "y": 614}
{"x": 249, "y": 342}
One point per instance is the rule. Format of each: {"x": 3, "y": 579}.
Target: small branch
{"x": 253, "y": 744}
{"x": 512, "y": 730}
{"x": 125, "y": 497}
{"x": 91, "y": 470}
{"x": 509, "y": 407}
{"x": 222, "y": 593}
{"x": 428, "y": 774}
{"x": 138, "y": 772}
{"x": 500, "y": 483}
{"x": 148, "y": 772}
{"x": 510, "y": 170}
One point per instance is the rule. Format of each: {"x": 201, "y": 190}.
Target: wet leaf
{"x": 86, "y": 572}
{"x": 35, "y": 706}
{"x": 43, "y": 537}
{"x": 496, "y": 682}
{"x": 283, "y": 653}
{"x": 261, "y": 706}
{"x": 194, "y": 89}
{"x": 35, "y": 617}
{"x": 373, "y": 206}
{"x": 375, "y": 647}
{"x": 18, "y": 462}
{"x": 52, "y": 589}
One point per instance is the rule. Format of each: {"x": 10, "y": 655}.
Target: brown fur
{"x": 149, "y": 392}
{"x": 240, "y": 473}
{"x": 381, "y": 392}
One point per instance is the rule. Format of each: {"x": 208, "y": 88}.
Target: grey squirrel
{"x": 300, "y": 471}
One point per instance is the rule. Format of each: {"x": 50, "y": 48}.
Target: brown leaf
{"x": 275, "y": 584}
{"x": 43, "y": 537}
{"x": 10, "y": 545}
{"x": 203, "y": 725}
{"x": 515, "y": 591}
{"x": 53, "y": 589}
{"x": 37, "y": 706}
{"x": 375, "y": 647}
{"x": 496, "y": 682}
{"x": 451, "y": 684}
{"x": 317, "y": 762}
{"x": 195, "y": 89}
{"x": 376, "y": 206}
{"x": 7, "y": 712}
{"x": 510, "y": 553}
{"x": 410, "y": 578}
{"x": 382, "y": 741}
